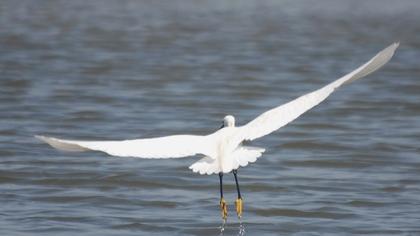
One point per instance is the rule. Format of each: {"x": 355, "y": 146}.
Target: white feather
{"x": 223, "y": 150}
{"x": 165, "y": 147}
{"x": 280, "y": 116}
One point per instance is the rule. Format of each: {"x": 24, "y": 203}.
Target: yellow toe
{"x": 223, "y": 208}
{"x": 239, "y": 207}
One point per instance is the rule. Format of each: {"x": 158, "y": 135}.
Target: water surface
{"x": 133, "y": 69}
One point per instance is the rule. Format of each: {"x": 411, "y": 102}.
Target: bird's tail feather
{"x": 206, "y": 165}
{"x": 245, "y": 155}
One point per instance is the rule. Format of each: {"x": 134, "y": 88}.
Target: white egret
{"x": 223, "y": 150}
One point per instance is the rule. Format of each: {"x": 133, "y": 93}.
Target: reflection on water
{"x": 126, "y": 69}
{"x": 240, "y": 229}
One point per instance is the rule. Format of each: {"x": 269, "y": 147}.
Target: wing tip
{"x": 44, "y": 139}
{"x": 40, "y": 137}
{"x": 59, "y": 144}
{"x": 391, "y": 49}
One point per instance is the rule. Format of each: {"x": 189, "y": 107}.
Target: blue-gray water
{"x": 132, "y": 69}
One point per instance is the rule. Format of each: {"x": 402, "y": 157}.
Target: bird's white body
{"x": 223, "y": 150}
{"x": 227, "y": 153}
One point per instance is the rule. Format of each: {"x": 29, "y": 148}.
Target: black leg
{"x": 237, "y": 184}
{"x": 223, "y": 205}
{"x": 238, "y": 202}
{"x": 221, "y": 184}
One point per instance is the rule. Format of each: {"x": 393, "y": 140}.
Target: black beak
{"x": 221, "y": 127}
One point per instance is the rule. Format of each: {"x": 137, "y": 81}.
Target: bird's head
{"x": 228, "y": 121}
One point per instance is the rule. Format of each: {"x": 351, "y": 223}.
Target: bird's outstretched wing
{"x": 280, "y": 116}
{"x": 175, "y": 146}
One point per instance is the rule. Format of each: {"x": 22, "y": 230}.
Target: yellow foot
{"x": 223, "y": 208}
{"x": 239, "y": 207}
